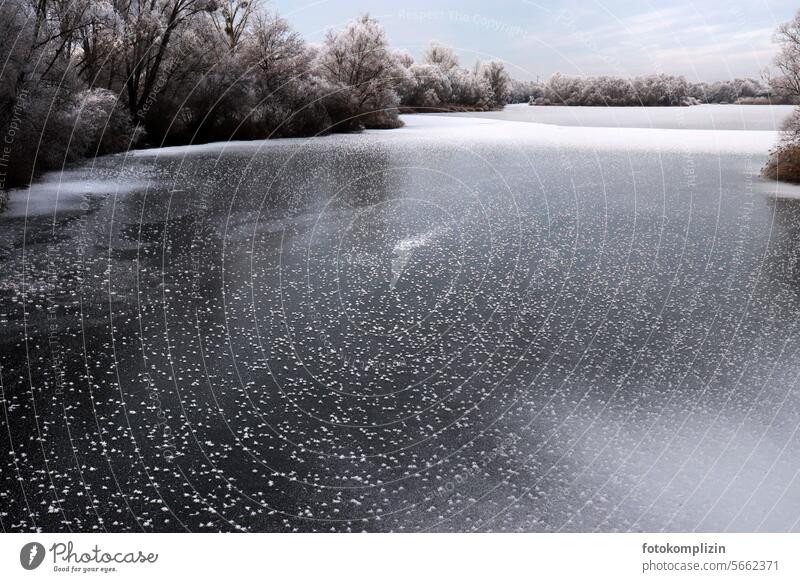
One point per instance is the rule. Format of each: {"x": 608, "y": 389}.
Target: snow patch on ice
{"x": 64, "y": 192}
{"x": 779, "y": 189}
{"x": 419, "y": 240}
{"x": 403, "y": 250}
{"x": 470, "y": 130}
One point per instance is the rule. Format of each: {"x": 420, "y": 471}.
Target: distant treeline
{"x": 83, "y": 78}
{"x": 649, "y": 90}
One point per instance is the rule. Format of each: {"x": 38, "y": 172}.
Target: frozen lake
{"x": 466, "y": 324}
{"x": 712, "y": 116}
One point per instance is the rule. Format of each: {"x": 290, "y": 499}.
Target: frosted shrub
{"x": 494, "y": 75}
{"x": 564, "y": 90}
{"x": 442, "y": 57}
{"x": 525, "y": 91}
{"x": 650, "y": 90}
{"x": 469, "y": 90}
{"x": 102, "y": 124}
{"x": 430, "y": 86}
{"x": 784, "y": 161}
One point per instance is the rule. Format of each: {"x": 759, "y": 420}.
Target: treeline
{"x": 649, "y": 90}
{"x": 84, "y": 78}
{"x": 440, "y": 83}
{"x": 784, "y": 160}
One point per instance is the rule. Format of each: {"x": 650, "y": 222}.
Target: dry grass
{"x": 774, "y": 100}
{"x": 448, "y": 108}
{"x": 784, "y": 164}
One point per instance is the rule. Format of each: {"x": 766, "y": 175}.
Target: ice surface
{"x": 465, "y": 324}
{"x": 711, "y": 116}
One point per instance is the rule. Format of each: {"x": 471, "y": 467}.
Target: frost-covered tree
{"x": 41, "y": 89}
{"x": 363, "y": 71}
{"x": 564, "y": 90}
{"x": 288, "y": 97}
{"x": 784, "y": 162}
{"x": 788, "y": 58}
{"x": 275, "y": 51}
{"x": 18, "y": 38}
{"x": 494, "y": 74}
{"x": 99, "y": 54}
{"x": 723, "y": 92}
{"x": 650, "y": 90}
{"x": 101, "y": 123}
{"x": 90, "y": 77}
{"x": 660, "y": 90}
{"x": 525, "y": 91}
{"x": 440, "y": 82}
{"x": 441, "y": 56}
{"x": 470, "y": 90}
{"x": 149, "y": 27}
{"x": 404, "y": 58}
{"x": 430, "y": 86}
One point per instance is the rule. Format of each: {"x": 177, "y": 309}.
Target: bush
{"x": 784, "y": 161}
{"x": 102, "y": 124}
{"x": 784, "y": 164}
{"x": 94, "y": 78}
{"x": 439, "y": 83}
{"x": 41, "y": 133}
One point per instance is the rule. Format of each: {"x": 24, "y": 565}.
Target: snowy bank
{"x": 468, "y": 131}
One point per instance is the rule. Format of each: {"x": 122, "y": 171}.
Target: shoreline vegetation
{"x": 84, "y": 79}
{"x": 784, "y": 159}
{"x": 447, "y": 108}
{"x": 652, "y": 91}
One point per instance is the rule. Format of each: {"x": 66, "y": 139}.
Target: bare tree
{"x": 358, "y": 60}
{"x": 232, "y": 18}
{"x": 149, "y": 26}
{"x": 274, "y": 48}
{"x": 100, "y": 44}
{"x": 788, "y": 59}
{"x": 495, "y": 75}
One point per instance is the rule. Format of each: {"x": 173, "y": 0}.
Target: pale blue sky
{"x": 704, "y": 40}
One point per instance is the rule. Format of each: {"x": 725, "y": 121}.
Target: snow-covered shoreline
{"x": 757, "y": 142}
{"x": 471, "y": 130}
